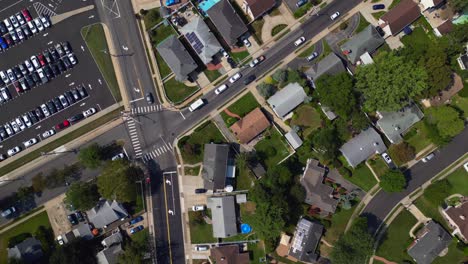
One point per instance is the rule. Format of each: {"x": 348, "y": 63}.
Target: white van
{"x": 197, "y": 104}
{"x": 221, "y": 89}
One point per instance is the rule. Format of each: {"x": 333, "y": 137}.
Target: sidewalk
{"x": 12, "y": 225}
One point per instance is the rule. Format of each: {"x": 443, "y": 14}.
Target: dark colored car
{"x": 55, "y": 69}
{"x": 76, "y": 94}
{"x": 3, "y": 157}
{"x": 66, "y": 47}
{"x": 69, "y": 97}
{"x": 301, "y": 3}
{"x": 9, "y": 40}
{"x": 17, "y": 72}
{"x": 378, "y": 7}
{"x": 136, "y": 220}
{"x": 67, "y": 62}
{"x": 82, "y": 92}
{"x": 48, "y": 57}
{"x": 29, "y": 80}
{"x": 76, "y": 118}
{"x": 23, "y": 69}
{"x": 232, "y": 62}
{"x": 58, "y": 104}
{"x": 80, "y": 216}
{"x": 33, "y": 117}
{"x": 200, "y": 190}
{"x": 149, "y": 98}
{"x": 249, "y": 79}
{"x": 72, "y": 218}
{"x": 136, "y": 229}
{"x": 3, "y": 28}
{"x": 62, "y": 125}
{"x": 39, "y": 113}
{"x": 51, "y": 107}
{"x": 54, "y": 54}
{"x": 36, "y": 77}
{"x": 48, "y": 72}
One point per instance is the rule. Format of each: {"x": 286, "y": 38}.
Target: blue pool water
{"x": 463, "y": 19}
{"x": 207, "y": 4}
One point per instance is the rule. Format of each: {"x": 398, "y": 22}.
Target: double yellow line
{"x": 167, "y": 221}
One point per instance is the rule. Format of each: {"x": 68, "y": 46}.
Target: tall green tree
{"x": 393, "y": 181}
{"x": 117, "y": 181}
{"x": 337, "y": 93}
{"x": 355, "y": 246}
{"x": 135, "y": 249}
{"x": 390, "y": 82}
{"x": 446, "y": 119}
{"x": 435, "y": 62}
{"x": 82, "y": 195}
{"x": 91, "y": 156}
{"x": 327, "y": 142}
{"x": 77, "y": 252}
{"x": 459, "y": 5}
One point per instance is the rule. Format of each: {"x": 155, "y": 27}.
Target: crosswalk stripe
{"x": 164, "y": 147}
{"x": 157, "y": 151}
{"x": 152, "y": 155}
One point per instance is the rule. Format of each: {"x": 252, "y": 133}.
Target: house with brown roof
{"x": 250, "y": 126}
{"x": 399, "y": 17}
{"x": 230, "y": 254}
{"x": 257, "y": 8}
{"x": 457, "y": 217}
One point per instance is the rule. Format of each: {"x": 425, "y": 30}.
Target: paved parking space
{"x": 85, "y": 73}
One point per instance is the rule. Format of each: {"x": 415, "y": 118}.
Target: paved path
{"x": 384, "y": 260}
{"x": 22, "y": 220}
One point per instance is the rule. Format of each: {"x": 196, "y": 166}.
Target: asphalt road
{"x": 382, "y": 204}
{"x": 84, "y": 73}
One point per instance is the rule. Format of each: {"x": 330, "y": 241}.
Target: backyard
{"x": 461, "y": 103}
{"x": 160, "y": 33}
{"x": 152, "y": 17}
{"x": 200, "y": 231}
{"x": 396, "y": 239}
{"x": 307, "y": 118}
{"x": 191, "y": 146}
{"x": 177, "y": 91}
{"x": 241, "y": 107}
{"x": 272, "y": 148}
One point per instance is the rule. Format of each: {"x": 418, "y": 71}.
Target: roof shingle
{"x": 250, "y": 126}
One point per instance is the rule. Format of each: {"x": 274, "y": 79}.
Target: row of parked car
{"x": 39, "y": 68}
{"x": 19, "y": 27}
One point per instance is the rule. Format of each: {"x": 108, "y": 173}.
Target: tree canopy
{"x": 135, "y": 249}
{"x": 446, "y": 119}
{"x": 459, "y": 5}
{"x": 77, "y": 252}
{"x": 390, "y": 83}
{"x": 404, "y": 152}
{"x": 91, "y": 156}
{"x": 327, "y": 142}
{"x": 393, "y": 181}
{"x": 117, "y": 181}
{"x": 82, "y": 195}
{"x": 337, "y": 93}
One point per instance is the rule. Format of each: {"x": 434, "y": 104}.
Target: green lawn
{"x": 29, "y": 226}
{"x": 306, "y": 52}
{"x": 239, "y": 56}
{"x": 200, "y": 231}
{"x": 257, "y": 252}
{"x": 363, "y": 23}
{"x": 242, "y": 107}
{"x": 244, "y": 178}
{"x": 282, "y": 34}
{"x": 362, "y": 177}
{"x": 378, "y": 165}
{"x": 192, "y": 171}
{"x": 272, "y": 149}
{"x": 164, "y": 69}
{"x": 257, "y": 26}
{"x": 176, "y": 91}
{"x": 306, "y": 117}
{"x": 160, "y": 33}
{"x": 152, "y": 18}
{"x": 378, "y": 15}
{"x": 454, "y": 255}
{"x": 394, "y": 3}
{"x": 325, "y": 51}
{"x": 277, "y": 29}
{"x": 417, "y": 136}
{"x": 206, "y": 133}
{"x": 339, "y": 221}
{"x": 416, "y": 39}
{"x": 458, "y": 184}
{"x": 397, "y": 239}
{"x": 212, "y": 75}
{"x": 96, "y": 43}
{"x": 461, "y": 103}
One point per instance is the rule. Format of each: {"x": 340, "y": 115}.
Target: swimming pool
{"x": 207, "y": 4}
{"x": 463, "y": 19}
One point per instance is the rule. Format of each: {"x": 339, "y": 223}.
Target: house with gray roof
{"x": 293, "y": 139}
{"x": 367, "y": 40}
{"x": 363, "y": 146}
{"x": 227, "y": 21}
{"x": 177, "y": 58}
{"x": 110, "y": 255}
{"x": 318, "y": 194}
{"x": 201, "y": 39}
{"x": 28, "y": 251}
{"x": 331, "y": 65}
{"x": 106, "y": 213}
{"x": 114, "y": 238}
{"x": 83, "y": 230}
{"x": 217, "y": 166}
{"x": 430, "y": 241}
{"x": 305, "y": 241}
{"x": 286, "y": 99}
{"x": 395, "y": 124}
{"x": 224, "y": 217}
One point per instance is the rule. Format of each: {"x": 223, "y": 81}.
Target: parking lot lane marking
{"x": 136, "y": 100}
{"x": 157, "y": 151}
{"x": 15, "y": 3}
{"x": 180, "y": 112}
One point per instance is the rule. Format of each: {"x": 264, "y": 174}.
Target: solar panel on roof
{"x": 195, "y": 42}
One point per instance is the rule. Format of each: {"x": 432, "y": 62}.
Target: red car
{"x": 42, "y": 60}
{"x": 18, "y": 87}
{"x": 26, "y": 15}
{"x": 62, "y": 125}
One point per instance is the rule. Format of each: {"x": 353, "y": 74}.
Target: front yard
{"x": 200, "y": 231}
{"x": 239, "y": 56}
{"x": 192, "y": 146}
{"x": 361, "y": 176}
{"x": 212, "y": 75}
{"x": 176, "y": 91}
{"x": 160, "y": 33}
{"x": 241, "y": 107}
{"x": 417, "y": 136}
{"x": 272, "y": 148}
{"x": 378, "y": 165}
{"x": 461, "y": 103}
{"x": 339, "y": 221}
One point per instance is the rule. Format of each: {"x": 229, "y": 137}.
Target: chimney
{"x": 376, "y": 144}
{"x": 462, "y": 217}
{"x": 361, "y": 148}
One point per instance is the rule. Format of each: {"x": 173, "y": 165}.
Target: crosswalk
{"x": 146, "y": 109}
{"x": 134, "y": 138}
{"x": 156, "y": 152}
{"x": 43, "y": 10}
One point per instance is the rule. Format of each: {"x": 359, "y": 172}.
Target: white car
{"x": 20, "y": 123}
{"x": 221, "y": 89}
{"x": 428, "y": 157}
{"x": 14, "y": 22}
{"x": 48, "y": 133}
{"x": 118, "y": 156}
{"x": 247, "y": 43}
{"x": 13, "y": 151}
{"x": 312, "y": 56}
{"x": 8, "y": 129}
{"x": 27, "y": 120}
{"x": 72, "y": 58}
{"x": 256, "y": 61}
{"x": 198, "y": 207}
{"x": 11, "y": 75}
{"x": 225, "y": 54}
{"x": 29, "y": 66}
{"x": 30, "y": 142}
{"x": 45, "y": 21}
{"x": 45, "y": 110}
{"x": 299, "y": 41}
{"x": 335, "y": 15}
{"x": 89, "y": 112}
{"x": 8, "y": 24}
{"x": 202, "y": 247}
{"x": 234, "y": 78}
{"x": 466, "y": 166}
{"x": 6, "y": 95}
{"x": 38, "y": 24}
{"x": 15, "y": 126}
{"x": 20, "y": 33}
{"x": 60, "y": 240}
{"x": 32, "y": 27}
{"x": 387, "y": 158}
{"x": 35, "y": 62}
{"x": 20, "y": 18}
{"x": 4, "y": 77}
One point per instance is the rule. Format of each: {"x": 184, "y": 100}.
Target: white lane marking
{"x": 136, "y": 100}
{"x": 182, "y": 115}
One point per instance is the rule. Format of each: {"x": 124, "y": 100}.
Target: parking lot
{"x": 84, "y": 73}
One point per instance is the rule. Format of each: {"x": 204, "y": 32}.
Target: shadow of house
{"x": 28, "y": 251}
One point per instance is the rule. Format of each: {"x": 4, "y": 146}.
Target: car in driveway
{"x": 136, "y": 229}
{"x": 200, "y": 190}
{"x": 72, "y": 219}
{"x": 256, "y": 61}
{"x": 48, "y": 133}
{"x": 13, "y": 151}
{"x": 30, "y": 142}
{"x": 235, "y": 77}
{"x": 62, "y": 125}
{"x": 202, "y": 247}
{"x": 246, "y": 42}
{"x": 428, "y": 157}
{"x": 8, "y": 212}
{"x": 378, "y": 7}
{"x": 136, "y": 220}
{"x": 80, "y": 216}
{"x": 387, "y": 158}
{"x": 198, "y": 207}
{"x": 301, "y": 3}
{"x": 299, "y": 41}
{"x": 312, "y": 56}
{"x": 335, "y": 15}
{"x": 91, "y": 111}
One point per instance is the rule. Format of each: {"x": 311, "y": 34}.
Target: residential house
{"x": 430, "y": 241}
{"x": 444, "y": 28}
{"x": 110, "y": 255}
{"x": 305, "y": 241}
{"x": 286, "y": 99}
{"x": 230, "y": 254}
{"x": 83, "y": 230}
{"x": 223, "y": 213}
{"x": 457, "y": 217}
{"x": 318, "y": 194}
{"x": 463, "y": 59}
{"x": 201, "y": 39}
{"x": 395, "y": 124}
{"x": 114, "y": 238}
{"x": 106, "y": 213}
{"x": 330, "y": 64}
{"x": 257, "y": 8}
{"x": 362, "y": 45}
{"x": 28, "y": 251}
{"x": 293, "y": 139}
{"x": 426, "y": 4}
{"x": 227, "y": 21}
{"x": 328, "y": 112}
{"x": 218, "y": 167}
{"x": 177, "y": 58}
{"x": 399, "y": 17}
{"x": 363, "y": 146}
{"x": 250, "y": 126}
